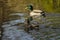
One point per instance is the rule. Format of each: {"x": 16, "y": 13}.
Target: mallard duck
{"x": 34, "y": 12}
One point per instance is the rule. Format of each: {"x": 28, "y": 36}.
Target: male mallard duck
{"x": 35, "y": 12}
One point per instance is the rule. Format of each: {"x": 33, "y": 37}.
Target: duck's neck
{"x": 31, "y": 9}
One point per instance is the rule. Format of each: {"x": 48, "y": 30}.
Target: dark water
{"x": 12, "y": 32}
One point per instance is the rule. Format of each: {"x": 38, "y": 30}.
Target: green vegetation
{"x": 46, "y": 5}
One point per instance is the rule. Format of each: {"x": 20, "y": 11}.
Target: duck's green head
{"x": 29, "y": 7}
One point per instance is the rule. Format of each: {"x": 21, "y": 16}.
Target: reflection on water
{"x": 12, "y": 32}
